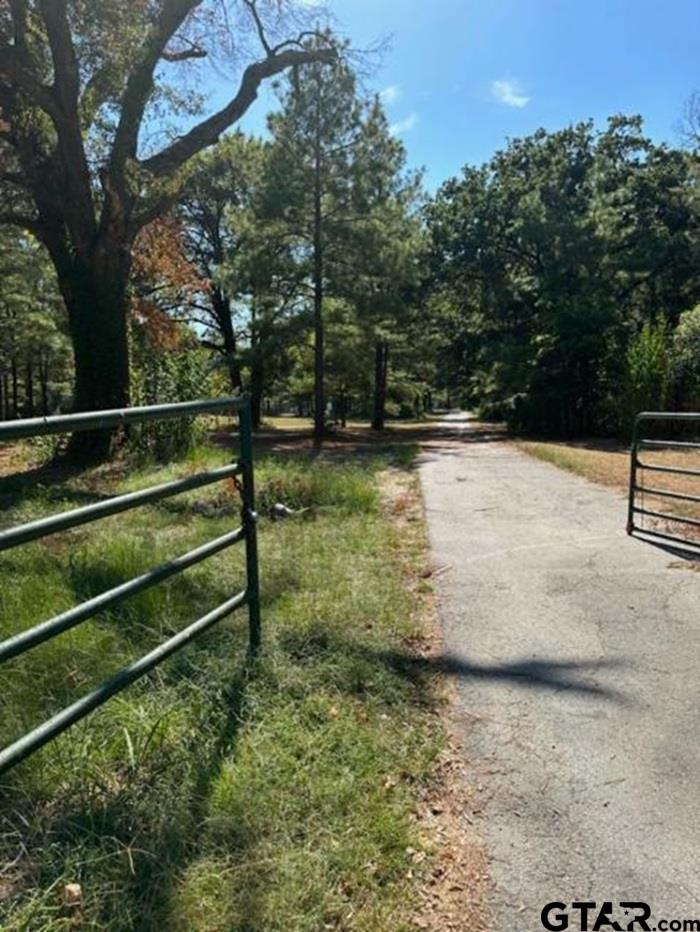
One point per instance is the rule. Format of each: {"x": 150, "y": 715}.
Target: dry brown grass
{"x": 608, "y": 464}
{"x": 14, "y": 457}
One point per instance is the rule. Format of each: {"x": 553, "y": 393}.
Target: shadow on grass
{"x": 462, "y": 430}
{"x": 52, "y": 480}
{"x": 163, "y": 836}
{"x": 152, "y": 815}
{"x": 133, "y": 817}
{"x": 142, "y": 621}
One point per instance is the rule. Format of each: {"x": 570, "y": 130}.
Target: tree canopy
{"x": 553, "y": 256}
{"x": 554, "y": 286}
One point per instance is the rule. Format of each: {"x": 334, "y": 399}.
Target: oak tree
{"x": 96, "y": 134}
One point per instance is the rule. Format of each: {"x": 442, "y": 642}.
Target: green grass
{"x": 218, "y": 795}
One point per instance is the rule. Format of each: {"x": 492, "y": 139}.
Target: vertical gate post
{"x": 633, "y": 476}
{"x": 250, "y": 518}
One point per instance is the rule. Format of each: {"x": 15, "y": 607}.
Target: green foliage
{"x": 647, "y": 371}
{"x": 35, "y": 357}
{"x": 228, "y": 242}
{"x": 307, "y": 483}
{"x": 338, "y": 187}
{"x": 685, "y": 359}
{"x": 181, "y": 373}
{"x": 552, "y": 257}
{"x": 100, "y": 114}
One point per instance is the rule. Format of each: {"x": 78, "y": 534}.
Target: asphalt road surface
{"x": 576, "y": 653}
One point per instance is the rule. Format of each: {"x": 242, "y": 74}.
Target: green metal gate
{"x": 640, "y": 492}
{"x": 241, "y": 472}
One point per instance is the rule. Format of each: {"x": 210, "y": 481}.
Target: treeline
{"x": 552, "y": 287}
{"x": 309, "y": 245}
{"x": 556, "y": 287}
{"x": 35, "y": 354}
{"x": 567, "y": 269}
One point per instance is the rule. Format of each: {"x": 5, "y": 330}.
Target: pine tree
{"x": 337, "y": 182}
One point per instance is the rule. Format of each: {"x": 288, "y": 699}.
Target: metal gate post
{"x": 249, "y": 518}
{"x": 633, "y": 477}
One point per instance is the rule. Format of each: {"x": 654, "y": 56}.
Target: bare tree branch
{"x": 194, "y": 51}
{"x": 298, "y": 42}
{"x": 690, "y": 122}
{"x": 208, "y": 131}
{"x": 65, "y": 63}
{"x": 80, "y": 210}
{"x": 139, "y": 85}
{"x": 253, "y": 9}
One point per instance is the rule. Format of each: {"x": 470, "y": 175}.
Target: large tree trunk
{"x": 381, "y": 369}
{"x": 96, "y": 298}
{"x": 222, "y": 310}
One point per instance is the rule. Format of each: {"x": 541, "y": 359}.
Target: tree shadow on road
{"x": 554, "y": 675}
{"x": 545, "y": 674}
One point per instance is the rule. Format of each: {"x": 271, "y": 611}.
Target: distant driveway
{"x": 576, "y": 652}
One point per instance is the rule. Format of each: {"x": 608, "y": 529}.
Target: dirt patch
{"x": 13, "y": 458}
{"x": 454, "y": 894}
{"x": 355, "y": 438}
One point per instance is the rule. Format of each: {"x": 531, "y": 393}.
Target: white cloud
{"x": 403, "y": 126}
{"x": 390, "y": 94}
{"x": 509, "y": 93}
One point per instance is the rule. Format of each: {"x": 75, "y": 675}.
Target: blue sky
{"x": 462, "y": 75}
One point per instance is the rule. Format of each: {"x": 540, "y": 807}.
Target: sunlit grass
{"x": 218, "y": 795}
{"x": 290, "y": 422}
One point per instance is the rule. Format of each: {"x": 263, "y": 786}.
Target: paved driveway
{"x": 576, "y": 652}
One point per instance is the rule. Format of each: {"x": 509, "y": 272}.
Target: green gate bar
{"x": 635, "y": 489}
{"x": 53, "y": 627}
